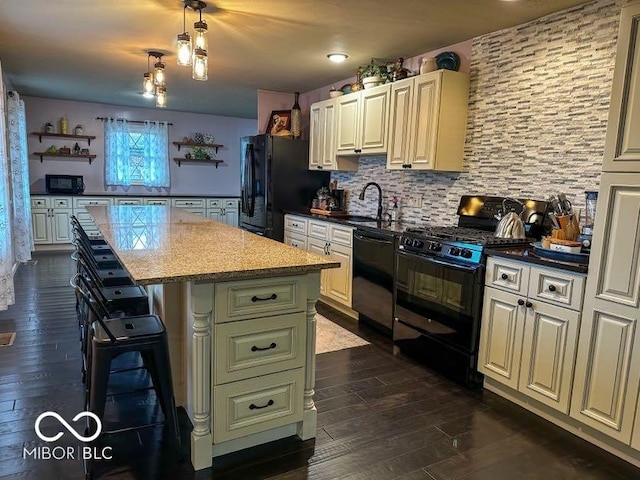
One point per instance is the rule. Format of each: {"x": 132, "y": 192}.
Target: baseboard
{"x": 339, "y": 307}
{"x": 59, "y": 247}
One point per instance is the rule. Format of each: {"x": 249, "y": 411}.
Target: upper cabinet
{"x": 428, "y": 120}
{"x": 622, "y": 147}
{"x": 322, "y": 144}
{"x": 362, "y": 122}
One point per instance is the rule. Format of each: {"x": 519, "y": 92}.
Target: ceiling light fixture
{"x": 337, "y": 57}
{"x": 184, "y": 42}
{"x": 153, "y": 84}
{"x": 198, "y": 58}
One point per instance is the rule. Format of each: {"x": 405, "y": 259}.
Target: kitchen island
{"x": 239, "y": 311}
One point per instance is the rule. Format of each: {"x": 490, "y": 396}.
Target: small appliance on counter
{"x": 68, "y": 184}
{"x": 330, "y": 201}
{"x": 591, "y": 199}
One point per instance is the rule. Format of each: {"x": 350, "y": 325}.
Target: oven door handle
{"x": 471, "y": 269}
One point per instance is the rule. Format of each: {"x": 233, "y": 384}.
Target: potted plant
{"x": 373, "y": 74}
{"x": 200, "y": 153}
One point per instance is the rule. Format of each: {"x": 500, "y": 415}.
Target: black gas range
{"x": 439, "y": 283}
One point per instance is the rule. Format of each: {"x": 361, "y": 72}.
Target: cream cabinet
{"x": 362, "y": 122}
{"x": 530, "y": 322}
{"x": 605, "y": 393}
{"x": 258, "y": 355}
{"x": 80, "y": 211}
{"x": 327, "y": 239}
{"x": 156, "y": 201}
{"x": 128, "y": 201}
{"x": 193, "y": 205}
{"x": 223, "y": 210}
{"x": 51, "y": 220}
{"x": 622, "y": 146}
{"x": 322, "y": 154}
{"x": 428, "y": 120}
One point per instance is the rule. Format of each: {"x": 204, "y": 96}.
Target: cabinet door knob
{"x": 529, "y": 304}
{"x": 357, "y": 150}
{"x": 520, "y": 302}
{"x": 504, "y": 276}
{"x": 319, "y": 167}
{"x": 552, "y": 288}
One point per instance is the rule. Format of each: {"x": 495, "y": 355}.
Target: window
{"x": 136, "y": 154}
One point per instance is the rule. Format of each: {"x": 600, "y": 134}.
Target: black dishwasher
{"x": 373, "y": 256}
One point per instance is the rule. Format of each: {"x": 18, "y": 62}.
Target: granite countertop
{"x": 159, "y": 244}
{"x": 381, "y": 226}
{"x": 123, "y": 194}
{"x": 526, "y": 254}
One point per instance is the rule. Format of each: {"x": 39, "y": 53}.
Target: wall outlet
{"x": 415, "y": 201}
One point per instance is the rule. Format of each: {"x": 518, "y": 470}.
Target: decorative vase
{"x": 198, "y": 138}
{"x": 48, "y": 128}
{"x": 79, "y": 130}
{"x": 295, "y": 117}
{"x": 64, "y": 126}
{"x": 374, "y": 81}
{"x": 428, "y": 65}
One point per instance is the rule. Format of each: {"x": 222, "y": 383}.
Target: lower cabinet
{"x": 528, "y": 344}
{"x": 223, "y": 210}
{"x": 51, "y": 220}
{"x": 259, "y": 355}
{"x": 327, "y": 239}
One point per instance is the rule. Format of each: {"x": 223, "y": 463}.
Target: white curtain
{"x": 7, "y": 296}
{"x": 117, "y": 171}
{"x": 19, "y": 168}
{"x": 156, "y": 165}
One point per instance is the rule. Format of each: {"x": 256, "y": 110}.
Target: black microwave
{"x": 64, "y": 184}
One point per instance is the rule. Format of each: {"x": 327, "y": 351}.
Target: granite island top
{"x": 160, "y": 244}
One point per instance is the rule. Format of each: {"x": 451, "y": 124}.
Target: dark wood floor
{"x": 380, "y": 416}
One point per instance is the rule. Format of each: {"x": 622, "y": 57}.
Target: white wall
{"x": 189, "y": 179}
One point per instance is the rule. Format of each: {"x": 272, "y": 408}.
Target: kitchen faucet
{"x": 361, "y": 197}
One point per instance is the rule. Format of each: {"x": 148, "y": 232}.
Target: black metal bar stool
{"x": 96, "y": 243}
{"x": 106, "y": 277}
{"x": 111, "y": 337}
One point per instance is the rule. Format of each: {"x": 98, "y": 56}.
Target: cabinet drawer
{"x": 318, "y": 230}
{"x": 341, "y": 235}
{"x": 61, "y": 202}
{"x": 257, "y": 404}
{"x": 156, "y": 201}
{"x": 295, "y": 240}
{"x": 507, "y": 275}
{"x": 214, "y": 203}
{"x": 232, "y": 203}
{"x": 128, "y": 201}
{"x": 39, "y": 202}
{"x": 557, "y": 287}
{"x": 87, "y": 202}
{"x": 260, "y": 297}
{"x": 189, "y": 203}
{"x": 295, "y": 224}
{"x": 259, "y": 346}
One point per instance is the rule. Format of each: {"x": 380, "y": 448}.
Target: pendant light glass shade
{"x": 184, "y": 49}
{"x": 159, "y": 77}
{"x": 148, "y": 87}
{"x": 161, "y": 97}
{"x": 200, "y": 64}
{"x": 200, "y": 28}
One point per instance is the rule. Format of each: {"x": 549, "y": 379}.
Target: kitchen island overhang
{"x": 239, "y": 311}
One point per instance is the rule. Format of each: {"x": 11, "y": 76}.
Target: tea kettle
{"x": 510, "y": 225}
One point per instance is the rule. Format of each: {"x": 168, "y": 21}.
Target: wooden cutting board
{"x": 329, "y": 213}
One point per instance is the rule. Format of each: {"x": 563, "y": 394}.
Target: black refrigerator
{"x": 275, "y": 177}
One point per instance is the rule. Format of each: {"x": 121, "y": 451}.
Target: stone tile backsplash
{"x": 538, "y": 107}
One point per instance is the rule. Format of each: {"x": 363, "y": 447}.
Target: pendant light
{"x": 159, "y": 76}
{"x": 161, "y": 97}
{"x": 184, "y": 42}
{"x": 200, "y": 64}
{"x": 200, "y": 28}
{"x": 148, "y": 87}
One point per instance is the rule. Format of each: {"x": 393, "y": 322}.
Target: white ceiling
{"x": 95, "y": 51}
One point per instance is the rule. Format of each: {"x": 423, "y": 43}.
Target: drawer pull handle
{"x": 258, "y": 349}
{"x": 552, "y": 288}
{"x": 273, "y": 296}
{"x": 504, "y": 276}
{"x": 253, "y": 406}
{"x": 521, "y": 302}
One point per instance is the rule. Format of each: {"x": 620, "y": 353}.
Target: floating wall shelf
{"x": 88, "y": 138}
{"x": 202, "y": 145}
{"x": 179, "y": 161}
{"x": 63, "y": 155}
